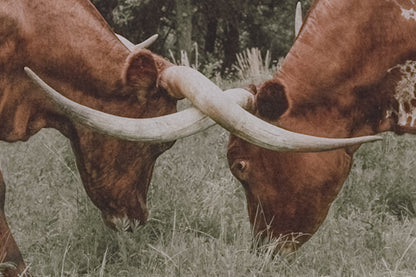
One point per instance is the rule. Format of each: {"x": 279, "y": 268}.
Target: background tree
{"x": 220, "y": 28}
{"x": 184, "y": 25}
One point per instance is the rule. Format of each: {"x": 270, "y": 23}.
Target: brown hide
{"x": 72, "y": 48}
{"x": 338, "y": 80}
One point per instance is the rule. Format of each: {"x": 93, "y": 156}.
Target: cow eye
{"x": 239, "y": 168}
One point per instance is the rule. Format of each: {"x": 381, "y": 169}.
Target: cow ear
{"x": 271, "y": 100}
{"x": 140, "y": 72}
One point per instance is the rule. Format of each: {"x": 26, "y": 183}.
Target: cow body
{"x": 343, "y": 77}
{"x": 71, "y": 47}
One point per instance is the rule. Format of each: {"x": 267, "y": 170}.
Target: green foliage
{"x": 221, "y": 28}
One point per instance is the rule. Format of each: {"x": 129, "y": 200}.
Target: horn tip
{"x": 153, "y": 38}
{"x": 372, "y": 138}
{"x": 29, "y": 72}
{"x": 378, "y": 138}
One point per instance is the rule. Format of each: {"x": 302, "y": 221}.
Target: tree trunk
{"x": 184, "y": 25}
{"x": 231, "y": 45}
{"x": 211, "y": 35}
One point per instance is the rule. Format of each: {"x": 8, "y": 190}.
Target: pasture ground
{"x": 198, "y": 221}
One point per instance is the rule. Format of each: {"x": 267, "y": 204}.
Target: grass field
{"x": 198, "y": 221}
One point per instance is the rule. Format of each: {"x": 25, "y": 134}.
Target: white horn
{"x": 147, "y": 43}
{"x": 298, "y": 18}
{"x": 210, "y": 99}
{"x": 130, "y": 45}
{"x": 158, "y": 129}
{"x": 225, "y": 109}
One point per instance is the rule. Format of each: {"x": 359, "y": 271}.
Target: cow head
{"x": 341, "y": 78}
{"x": 288, "y": 193}
{"x": 70, "y": 46}
{"x": 116, "y": 173}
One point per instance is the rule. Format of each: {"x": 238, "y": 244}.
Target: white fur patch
{"x": 405, "y": 94}
{"x": 409, "y": 14}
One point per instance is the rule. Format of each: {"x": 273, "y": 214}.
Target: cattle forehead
{"x": 405, "y": 95}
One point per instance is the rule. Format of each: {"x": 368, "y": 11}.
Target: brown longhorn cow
{"x": 70, "y": 45}
{"x": 345, "y": 76}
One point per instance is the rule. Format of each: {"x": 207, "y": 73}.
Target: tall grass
{"x": 251, "y": 65}
{"x": 198, "y": 224}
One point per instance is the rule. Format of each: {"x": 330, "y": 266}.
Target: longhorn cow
{"x": 345, "y": 76}
{"x": 71, "y": 46}
{"x": 279, "y": 188}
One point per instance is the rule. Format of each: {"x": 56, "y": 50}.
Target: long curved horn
{"x": 209, "y": 98}
{"x": 157, "y": 129}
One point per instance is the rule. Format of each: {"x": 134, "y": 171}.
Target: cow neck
{"x": 342, "y": 85}
{"x": 80, "y": 49}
